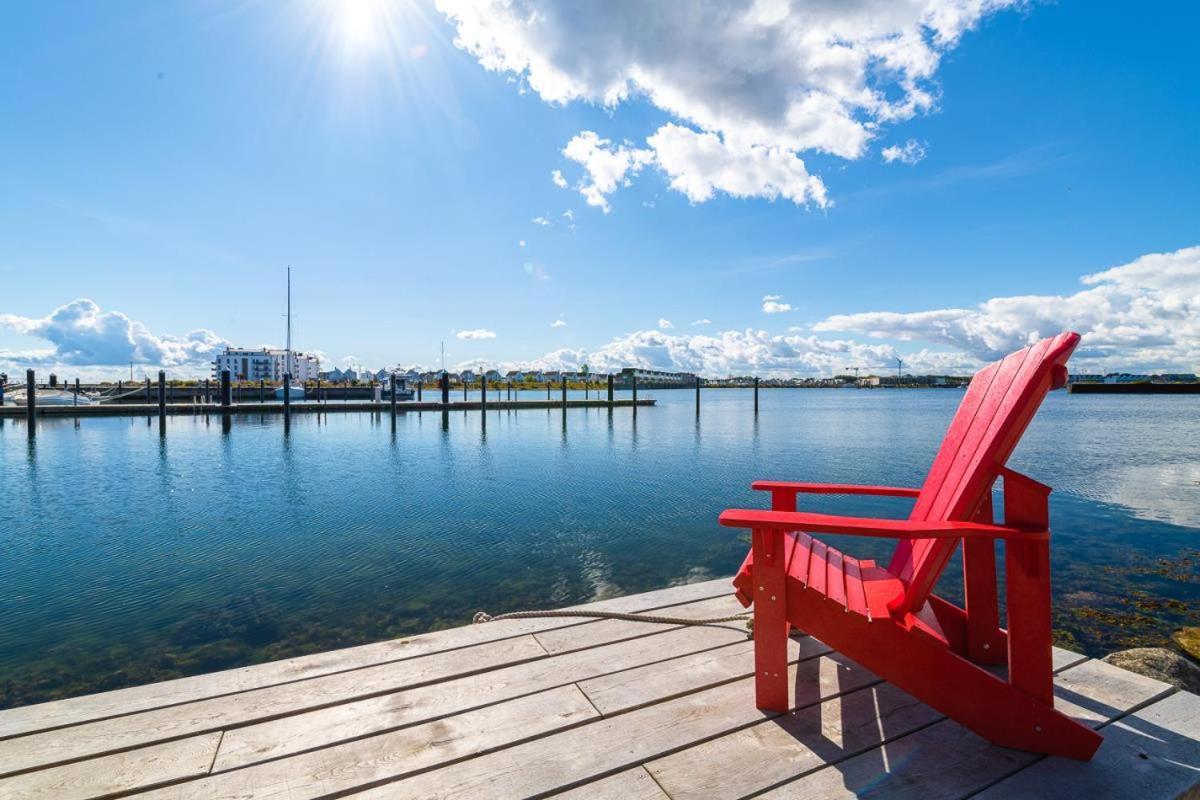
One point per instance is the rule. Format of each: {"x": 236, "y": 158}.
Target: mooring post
{"x": 287, "y": 394}
{"x": 207, "y": 391}
{"x": 697, "y": 395}
{"x": 262, "y": 390}
{"x": 445, "y": 388}
{"x": 420, "y": 386}
{"x": 319, "y": 400}
{"x": 394, "y": 392}
{"x": 3, "y": 379}
{"x": 633, "y": 383}
{"x": 564, "y": 391}
{"x": 147, "y": 389}
{"x": 610, "y": 389}
{"x": 756, "y": 395}
{"x": 226, "y": 390}
{"x": 162, "y": 392}
{"x": 464, "y": 383}
{"x": 483, "y": 393}
{"x": 120, "y": 389}
{"x": 75, "y": 393}
{"x": 30, "y": 397}
{"x": 548, "y": 385}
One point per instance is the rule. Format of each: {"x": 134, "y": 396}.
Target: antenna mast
{"x": 288, "y": 362}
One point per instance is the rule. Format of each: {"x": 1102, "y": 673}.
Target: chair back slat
{"x": 997, "y": 407}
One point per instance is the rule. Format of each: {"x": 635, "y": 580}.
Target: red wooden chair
{"x": 888, "y": 620}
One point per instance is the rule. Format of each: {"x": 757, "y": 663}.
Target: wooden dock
{"x": 339, "y": 407}
{"x": 578, "y": 709}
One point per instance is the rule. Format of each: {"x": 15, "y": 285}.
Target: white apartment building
{"x": 265, "y": 365}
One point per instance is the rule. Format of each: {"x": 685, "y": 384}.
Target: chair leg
{"x": 770, "y": 622}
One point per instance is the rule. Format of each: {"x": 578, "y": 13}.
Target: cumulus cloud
{"x": 479, "y": 333}
{"x": 559, "y": 180}
{"x": 766, "y": 80}
{"x": 744, "y": 352}
{"x": 909, "y": 153}
{"x": 606, "y": 165}
{"x": 771, "y": 304}
{"x": 541, "y": 220}
{"x": 82, "y": 334}
{"x": 664, "y": 324}
{"x": 1144, "y": 315}
{"x": 558, "y": 323}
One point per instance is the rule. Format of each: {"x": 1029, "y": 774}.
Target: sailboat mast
{"x": 288, "y": 361}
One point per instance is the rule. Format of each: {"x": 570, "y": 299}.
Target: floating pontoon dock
{"x": 579, "y": 709}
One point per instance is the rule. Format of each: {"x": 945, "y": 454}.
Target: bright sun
{"x": 361, "y": 25}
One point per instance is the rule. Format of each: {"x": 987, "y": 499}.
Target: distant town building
{"x": 266, "y": 364}
{"x": 653, "y": 379}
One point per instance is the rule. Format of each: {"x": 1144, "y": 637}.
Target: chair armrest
{"x": 883, "y": 528}
{"x": 833, "y": 488}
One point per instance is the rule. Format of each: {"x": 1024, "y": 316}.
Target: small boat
{"x": 295, "y": 392}
{"x": 50, "y": 397}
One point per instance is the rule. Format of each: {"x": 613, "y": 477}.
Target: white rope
{"x": 482, "y": 617}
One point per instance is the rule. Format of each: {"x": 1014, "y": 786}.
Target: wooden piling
{"x": 30, "y": 398}
{"x": 564, "y": 391}
{"x": 697, "y": 395}
{"x": 610, "y": 388}
{"x": 226, "y": 390}
{"x": 756, "y": 395}
{"x": 262, "y": 390}
{"x": 148, "y": 400}
{"x": 633, "y": 383}
{"x": 75, "y": 394}
{"x": 483, "y": 393}
{"x": 446, "y": 388}
{"x": 395, "y": 390}
{"x": 162, "y": 392}
{"x": 548, "y": 385}
{"x": 287, "y": 395}
{"x": 207, "y": 390}
{"x": 420, "y": 386}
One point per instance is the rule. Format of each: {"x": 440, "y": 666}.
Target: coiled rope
{"x": 482, "y": 617}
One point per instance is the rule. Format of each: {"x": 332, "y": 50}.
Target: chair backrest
{"x": 999, "y": 404}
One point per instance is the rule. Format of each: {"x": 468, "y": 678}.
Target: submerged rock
{"x": 1159, "y": 663}
{"x": 1188, "y": 640}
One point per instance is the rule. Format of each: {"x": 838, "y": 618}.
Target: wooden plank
{"x": 835, "y": 578}
{"x": 610, "y": 745}
{"x": 632, "y": 784}
{"x": 121, "y": 772}
{"x": 120, "y": 733}
{"x": 380, "y": 759}
{"x": 945, "y": 760}
{"x": 1152, "y": 753}
{"x": 578, "y": 637}
{"x": 856, "y": 595}
{"x": 817, "y": 568}
{"x": 798, "y": 566}
{"x": 352, "y": 720}
{"x": 75, "y": 710}
{"x": 778, "y": 750}
{"x": 632, "y": 688}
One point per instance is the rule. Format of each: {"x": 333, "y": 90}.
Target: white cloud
{"x": 479, "y": 333}
{"x": 83, "y": 335}
{"x": 771, "y": 304}
{"x": 569, "y": 214}
{"x": 702, "y": 322}
{"x": 1144, "y": 315}
{"x": 665, "y": 324}
{"x": 909, "y": 153}
{"x": 701, "y": 164}
{"x": 607, "y": 165}
{"x": 768, "y": 79}
{"x": 559, "y": 180}
{"x": 744, "y": 353}
{"x": 558, "y": 323}
{"x": 545, "y": 220}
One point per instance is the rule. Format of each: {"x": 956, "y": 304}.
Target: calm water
{"x": 126, "y": 556}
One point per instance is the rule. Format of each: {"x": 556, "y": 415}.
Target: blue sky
{"x": 167, "y": 161}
